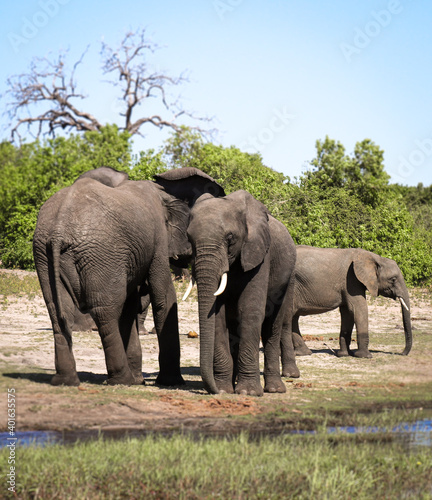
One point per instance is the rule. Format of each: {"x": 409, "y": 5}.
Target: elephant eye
{"x": 230, "y": 238}
{"x": 393, "y": 280}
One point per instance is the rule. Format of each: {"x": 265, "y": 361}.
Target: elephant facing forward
{"x": 95, "y": 247}
{"x": 242, "y": 271}
{"x": 327, "y": 278}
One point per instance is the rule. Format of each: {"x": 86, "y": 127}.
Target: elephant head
{"x": 382, "y": 276}
{"x": 228, "y": 234}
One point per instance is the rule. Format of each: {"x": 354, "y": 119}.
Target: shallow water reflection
{"x": 412, "y": 435}
{"x": 415, "y": 434}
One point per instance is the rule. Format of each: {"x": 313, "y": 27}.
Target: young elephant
{"x": 238, "y": 244}
{"x": 327, "y": 278}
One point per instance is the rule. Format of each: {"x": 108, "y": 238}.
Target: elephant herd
{"x": 105, "y": 242}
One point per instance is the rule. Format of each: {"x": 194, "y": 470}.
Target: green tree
{"x": 362, "y": 173}
{"x": 31, "y": 173}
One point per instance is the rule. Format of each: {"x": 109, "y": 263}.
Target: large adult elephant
{"x": 106, "y": 175}
{"x": 327, "y": 278}
{"x": 95, "y": 246}
{"x": 243, "y": 260}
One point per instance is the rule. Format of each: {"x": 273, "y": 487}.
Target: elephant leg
{"x": 362, "y": 327}
{"x": 250, "y": 319}
{"x": 107, "y": 319}
{"x": 164, "y": 305}
{"x": 271, "y": 338}
{"x": 223, "y": 359}
{"x": 289, "y": 325}
{"x": 116, "y": 360}
{"x": 143, "y": 311}
{"x": 300, "y": 348}
{"x": 66, "y": 373}
{"x": 289, "y": 365}
{"x": 248, "y": 379}
{"x": 347, "y": 324}
{"x": 129, "y": 333}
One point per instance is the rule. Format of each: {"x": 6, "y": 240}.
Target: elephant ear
{"x": 177, "y": 220}
{"x": 188, "y": 184}
{"x": 366, "y": 268}
{"x": 257, "y": 241}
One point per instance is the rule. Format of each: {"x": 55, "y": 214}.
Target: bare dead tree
{"x": 51, "y": 94}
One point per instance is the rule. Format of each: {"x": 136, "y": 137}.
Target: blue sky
{"x": 276, "y": 75}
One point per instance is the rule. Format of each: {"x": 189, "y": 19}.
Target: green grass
{"x": 300, "y": 467}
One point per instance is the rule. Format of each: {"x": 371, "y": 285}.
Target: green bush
{"x": 342, "y": 201}
{"x": 31, "y": 173}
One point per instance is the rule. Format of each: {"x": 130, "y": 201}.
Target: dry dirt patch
{"x": 27, "y": 363}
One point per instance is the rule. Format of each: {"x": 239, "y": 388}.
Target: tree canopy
{"x": 342, "y": 201}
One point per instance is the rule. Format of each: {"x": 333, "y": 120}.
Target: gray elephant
{"x": 242, "y": 269}
{"x": 94, "y": 247}
{"x": 327, "y": 278}
{"x": 106, "y": 175}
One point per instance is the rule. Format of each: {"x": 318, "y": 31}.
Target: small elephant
{"x": 327, "y": 278}
{"x": 242, "y": 270}
{"x": 94, "y": 247}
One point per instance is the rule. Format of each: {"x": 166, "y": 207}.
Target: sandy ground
{"x": 27, "y": 363}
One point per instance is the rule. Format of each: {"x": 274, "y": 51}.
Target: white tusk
{"x": 189, "y": 289}
{"x": 175, "y": 257}
{"x": 223, "y": 284}
{"x": 403, "y": 303}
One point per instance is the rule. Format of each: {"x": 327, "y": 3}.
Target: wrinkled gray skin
{"x": 236, "y": 235}
{"x": 106, "y": 175}
{"x": 84, "y": 322}
{"x": 327, "y": 278}
{"x": 94, "y": 247}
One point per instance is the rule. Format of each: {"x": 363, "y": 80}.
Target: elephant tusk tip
{"x": 222, "y": 285}
{"x": 189, "y": 289}
{"x": 403, "y": 303}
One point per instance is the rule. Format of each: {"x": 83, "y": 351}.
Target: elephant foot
{"x": 362, "y": 353}
{"x": 249, "y": 388}
{"x": 274, "y": 385}
{"x": 120, "y": 381}
{"x": 224, "y": 386}
{"x": 70, "y": 380}
{"x": 290, "y": 371}
{"x": 342, "y": 353}
{"x": 303, "y": 351}
{"x": 138, "y": 379}
{"x": 169, "y": 379}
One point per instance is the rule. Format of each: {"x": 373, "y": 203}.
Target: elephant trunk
{"x": 406, "y": 316}
{"x": 208, "y": 273}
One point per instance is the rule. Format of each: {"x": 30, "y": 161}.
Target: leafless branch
{"x": 46, "y": 98}
{"x": 139, "y": 83}
{"x": 45, "y": 89}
